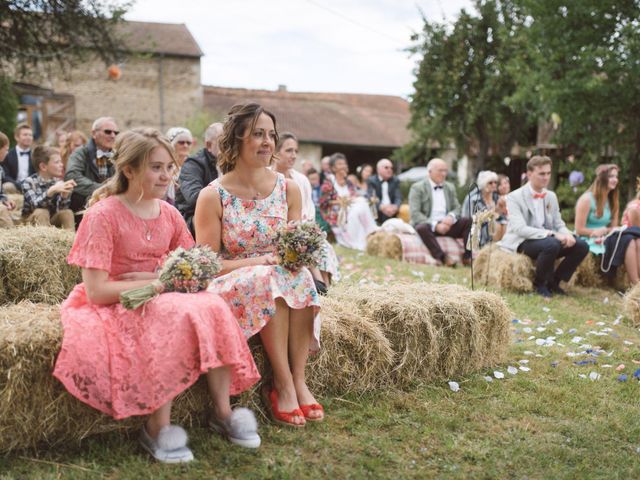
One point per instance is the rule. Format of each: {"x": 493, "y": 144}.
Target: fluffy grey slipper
{"x": 169, "y": 447}
{"x": 241, "y": 428}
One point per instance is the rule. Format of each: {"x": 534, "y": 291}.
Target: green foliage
{"x": 8, "y": 107}
{"x": 200, "y": 121}
{"x": 46, "y": 33}
{"x": 583, "y": 65}
{"x": 463, "y": 84}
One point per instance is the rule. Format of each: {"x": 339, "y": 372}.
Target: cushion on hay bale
{"x": 500, "y": 268}
{"x": 409, "y": 248}
{"x": 436, "y": 331}
{"x": 631, "y": 305}
{"x": 33, "y": 264}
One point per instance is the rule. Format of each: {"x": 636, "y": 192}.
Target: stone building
{"x": 156, "y": 83}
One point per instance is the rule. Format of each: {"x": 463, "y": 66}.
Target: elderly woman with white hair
{"x": 181, "y": 140}
{"x": 486, "y": 198}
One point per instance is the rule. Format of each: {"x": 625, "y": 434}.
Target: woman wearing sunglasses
{"x": 484, "y": 198}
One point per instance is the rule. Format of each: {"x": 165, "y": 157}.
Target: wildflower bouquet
{"x": 299, "y": 244}
{"x": 186, "y": 271}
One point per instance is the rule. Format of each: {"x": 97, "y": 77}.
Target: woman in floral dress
{"x": 238, "y": 215}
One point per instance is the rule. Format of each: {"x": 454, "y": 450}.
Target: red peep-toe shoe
{"x": 314, "y": 407}
{"x": 283, "y": 418}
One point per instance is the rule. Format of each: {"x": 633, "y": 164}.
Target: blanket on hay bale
{"x": 33, "y": 265}
{"x": 381, "y": 337}
{"x": 409, "y": 247}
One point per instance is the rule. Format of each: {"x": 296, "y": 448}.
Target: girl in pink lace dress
{"x": 124, "y": 362}
{"x": 238, "y": 215}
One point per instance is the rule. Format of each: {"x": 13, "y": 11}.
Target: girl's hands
{"x": 269, "y": 259}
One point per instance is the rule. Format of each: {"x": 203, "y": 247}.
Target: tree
{"x": 57, "y": 32}
{"x": 463, "y": 84}
{"x": 8, "y": 107}
{"x": 584, "y": 67}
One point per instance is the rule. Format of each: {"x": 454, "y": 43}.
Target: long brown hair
{"x": 600, "y": 190}
{"x": 241, "y": 117}
{"x": 69, "y": 145}
{"x": 132, "y": 149}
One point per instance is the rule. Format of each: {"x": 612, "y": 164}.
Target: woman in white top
{"x": 285, "y": 158}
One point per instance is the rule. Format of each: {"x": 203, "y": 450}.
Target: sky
{"x": 349, "y": 46}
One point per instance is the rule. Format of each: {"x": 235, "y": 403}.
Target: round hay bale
{"x": 374, "y": 243}
{"x": 436, "y": 331}
{"x": 631, "y": 305}
{"x": 33, "y": 264}
{"x": 499, "y": 268}
{"x": 588, "y": 273}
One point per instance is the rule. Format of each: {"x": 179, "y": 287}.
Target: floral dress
{"x": 248, "y": 230}
{"x": 125, "y": 362}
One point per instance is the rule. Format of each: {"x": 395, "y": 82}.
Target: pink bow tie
{"x": 539, "y": 195}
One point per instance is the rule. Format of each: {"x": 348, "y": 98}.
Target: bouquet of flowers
{"x": 186, "y": 271}
{"x": 299, "y": 244}
{"x": 343, "y": 209}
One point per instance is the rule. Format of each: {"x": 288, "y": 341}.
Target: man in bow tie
{"x": 385, "y": 188}
{"x": 90, "y": 165}
{"x": 536, "y": 229}
{"x": 435, "y": 211}
{"x": 17, "y": 164}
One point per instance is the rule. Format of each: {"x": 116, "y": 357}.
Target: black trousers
{"x": 545, "y": 251}
{"x": 460, "y": 229}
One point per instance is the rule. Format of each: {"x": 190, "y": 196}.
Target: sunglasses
{"x": 184, "y": 142}
{"x": 110, "y": 132}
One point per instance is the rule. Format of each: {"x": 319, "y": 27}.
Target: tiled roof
{"x": 166, "y": 38}
{"x": 329, "y": 118}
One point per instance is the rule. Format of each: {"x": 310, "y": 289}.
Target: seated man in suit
{"x": 536, "y": 229}
{"x": 435, "y": 211}
{"x": 17, "y": 165}
{"x": 90, "y": 165}
{"x": 385, "y": 188}
{"x": 197, "y": 172}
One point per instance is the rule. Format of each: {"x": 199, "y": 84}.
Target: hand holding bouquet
{"x": 186, "y": 271}
{"x": 299, "y": 244}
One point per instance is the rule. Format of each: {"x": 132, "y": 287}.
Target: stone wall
{"x": 135, "y": 99}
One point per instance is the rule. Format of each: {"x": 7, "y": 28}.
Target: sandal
{"x": 314, "y": 407}
{"x": 241, "y": 428}
{"x": 283, "y": 418}
{"x": 169, "y": 447}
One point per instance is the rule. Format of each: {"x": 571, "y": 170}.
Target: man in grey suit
{"x": 536, "y": 229}
{"x": 435, "y": 211}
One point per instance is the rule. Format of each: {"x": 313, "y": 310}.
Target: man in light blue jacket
{"x": 536, "y": 229}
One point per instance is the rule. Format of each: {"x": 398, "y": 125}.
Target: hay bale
{"x": 16, "y": 213}
{"x": 36, "y": 410}
{"x": 436, "y": 331}
{"x": 355, "y": 355}
{"x": 588, "y": 273}
{"x": 498, "y": 268}
{"x": 33, "y": 264}
{"x": 631, "y": 305}
{"x": 384, "y": 244}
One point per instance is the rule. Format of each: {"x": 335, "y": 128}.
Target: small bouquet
{"x": 186, "y": 271}
{"x": 299, "y": 244}
{"x": 343, "y": 209}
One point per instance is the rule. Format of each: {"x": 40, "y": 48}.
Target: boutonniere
{"x": 549, "y": 207}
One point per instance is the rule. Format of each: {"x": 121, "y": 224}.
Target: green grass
{"x": 545, "y": 423}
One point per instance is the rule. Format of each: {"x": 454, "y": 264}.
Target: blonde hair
{"x": 241, "y": 117}
{"x": 132, "y": 149}
{"x": 4, "y": 140}
{"x": 69, "y": 143}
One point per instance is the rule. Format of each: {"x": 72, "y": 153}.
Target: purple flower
{"x": 576, "y": 178}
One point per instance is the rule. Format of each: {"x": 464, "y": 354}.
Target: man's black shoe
{"x": 555, "y": 288}
{"x": 544, "y": 292}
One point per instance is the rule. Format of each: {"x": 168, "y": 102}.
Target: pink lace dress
{"x": 125, "y": 362}
{"x": 248, "y": 230}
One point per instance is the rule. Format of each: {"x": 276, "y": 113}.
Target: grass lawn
{"x": 567, "y": 417}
